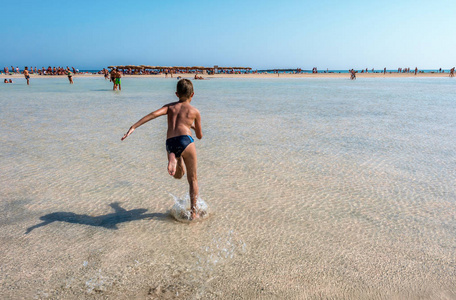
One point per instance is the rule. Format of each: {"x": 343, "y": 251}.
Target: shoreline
{"x": 249, "y": 76}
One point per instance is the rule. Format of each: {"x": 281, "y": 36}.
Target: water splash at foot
{"x": 181, "y": 209}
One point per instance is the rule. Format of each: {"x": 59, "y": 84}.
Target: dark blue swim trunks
{"x": 178, "y": 144}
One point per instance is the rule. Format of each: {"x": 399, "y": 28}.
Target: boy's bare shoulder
{"x": 170, "y": 104}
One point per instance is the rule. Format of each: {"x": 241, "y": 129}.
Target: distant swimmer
{"x": 182, "y": 117}
{"x": 26, "y": 75}
{"x": 70, "y": 75}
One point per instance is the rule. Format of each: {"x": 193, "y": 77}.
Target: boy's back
{"x": 181, "y": 116}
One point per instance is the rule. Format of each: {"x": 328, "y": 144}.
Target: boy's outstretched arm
{"x": 197, "y": 126}
{"x": 159, "y": 112}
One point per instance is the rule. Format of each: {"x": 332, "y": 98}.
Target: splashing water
{"x": 181, "y": 208}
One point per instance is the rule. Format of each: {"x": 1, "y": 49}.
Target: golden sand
{"x": 262, "y": 75}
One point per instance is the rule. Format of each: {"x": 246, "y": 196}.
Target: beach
{"x": 251, "y": 75}
{"x": 318, "y": 187}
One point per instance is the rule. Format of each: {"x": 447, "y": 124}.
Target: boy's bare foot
{"x": 172, "y": 164}
{"x": 194, "y": 216}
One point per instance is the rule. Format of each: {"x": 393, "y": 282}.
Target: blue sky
{"x": 259, "y": 34}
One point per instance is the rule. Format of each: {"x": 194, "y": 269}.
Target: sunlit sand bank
{"x": 281, "y": 75}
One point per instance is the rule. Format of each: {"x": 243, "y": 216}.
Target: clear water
{"x": 318, "y": 188}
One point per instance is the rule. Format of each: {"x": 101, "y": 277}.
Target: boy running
{"x": 179, "y": 144}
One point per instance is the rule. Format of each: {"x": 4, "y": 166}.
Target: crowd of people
{"x": 43, "y": 71}
{"x": 115, "y": 74}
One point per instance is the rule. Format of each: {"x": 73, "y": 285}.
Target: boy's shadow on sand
{"x": 108, "y": 221}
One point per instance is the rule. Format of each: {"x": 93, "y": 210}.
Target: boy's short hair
{"x": 184, "y": 88}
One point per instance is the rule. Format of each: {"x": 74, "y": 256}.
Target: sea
{"x": 316, "y": 188}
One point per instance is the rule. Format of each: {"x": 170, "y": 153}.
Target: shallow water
{"x": 317, "y": 188}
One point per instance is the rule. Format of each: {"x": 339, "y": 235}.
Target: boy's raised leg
{"x": 190, "y": 160}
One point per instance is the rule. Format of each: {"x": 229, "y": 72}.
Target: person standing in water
{"x": 118, "y": 76}
{"x": 70, "y": 75}
{"x": 26, "y": 75}
{"x": 182, "y": 117}
{"x": 113, "y": 78}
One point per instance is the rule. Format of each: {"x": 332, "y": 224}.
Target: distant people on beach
{"x": 49, "y": 71}
{"x": 180, "y": 146}
{"x": 26, "y": 75}
{"x": 70, "y": 75}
